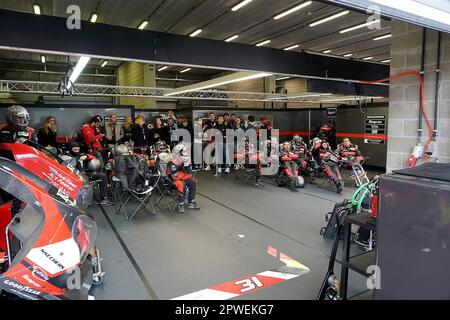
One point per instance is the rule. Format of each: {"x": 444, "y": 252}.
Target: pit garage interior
{"x": 296, "y": 64}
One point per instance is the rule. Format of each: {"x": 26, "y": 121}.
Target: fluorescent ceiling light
{"x": 104, "y": 63}
{"x": 37, "y": 9}
{"x": 382, "y": 37}
{"x": 94, "y": 17}
{"x": 368, "y": 58}
{"x": 359, "y": 26}
{"x": 295, "y": 46}
{"x": 163, "y": 68}
{"x": 334, "y": 16}
{"x": 350, "y": 98}
{"x": 282, "y": 78}
{"x": 348, "y": 55}
{"x": 143, "y": 24}
{"x": 43, "y": 59}
{"x": 185, "y": 70}
{"x": 417, "y": 9}
{"x": 296, "y": 8}
{"x": 196, "y": 32}
{"x": 386, "y": 61}
{"x": 232, "y": 38}
{"x": 240, "y": 5}
{"x": 81, "y": 64}
{"x": 302, "y": 96}
{"x": 326, "y": 51}
{"x": 207, "y": 86}
{"x": 263, "y": 43}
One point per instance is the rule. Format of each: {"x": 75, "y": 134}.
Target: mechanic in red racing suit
{"x": 179, "y": 170}
{"x": 349, "y": 152}
{"x": 299, "y": 148}
{"x": 328, "y": 162}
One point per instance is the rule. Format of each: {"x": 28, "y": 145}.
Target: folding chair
{"x": 167, "y": 191}
{"x": 123, "y": 195}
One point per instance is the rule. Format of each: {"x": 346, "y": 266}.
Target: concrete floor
{"x": 171, "y": 254}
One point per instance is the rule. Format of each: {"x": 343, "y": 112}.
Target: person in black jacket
{"x": 222, "y": 127}
{"x": 210, "y": 122}
{"x": 47, "y": 134}
{"x": 160, "y": 132}
{"x": 140, "y": 134}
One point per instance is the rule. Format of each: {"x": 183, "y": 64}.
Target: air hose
{"x": 422, "y": 99}
{"x": 365, "y": 188}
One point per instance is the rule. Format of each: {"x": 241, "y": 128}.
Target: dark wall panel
{"x": 69, "y": 119}
{"x": 353, "y": 121}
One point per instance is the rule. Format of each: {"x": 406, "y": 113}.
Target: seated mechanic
{"x": 89, "y": 165}
{"x": 179, "y": 170}
{"x": 349, "y": 152}
{"x": 248, "y": 156}
{"x": 300, "y": 149}
{"x": 298, "y": 146}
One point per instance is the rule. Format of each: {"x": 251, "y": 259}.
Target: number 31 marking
{"x": 249, "y": 284}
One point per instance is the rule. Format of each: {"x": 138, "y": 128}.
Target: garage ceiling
{"x": 253, "y": 22}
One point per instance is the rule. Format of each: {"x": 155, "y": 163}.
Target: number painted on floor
{"x": 249, "y": 284}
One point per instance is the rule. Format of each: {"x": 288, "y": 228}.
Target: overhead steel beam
{"x": 30, "y": 32}
{"x": 92, "y": 90}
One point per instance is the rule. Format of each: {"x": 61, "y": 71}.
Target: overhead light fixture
{"x": 334, "y": 16}
{"x": 143, "y": 24}
{"x": 386, "y": 61}
{"x": 94, "y": 17}
{"x": 359, "y": 26}
{"x": 382, "y": 37}
{"x": 104, "y": 64}
{"x": 202, "y": 87}
{"x": 295, "y": 46}
{"x": 348, "y": 55}
{"x": 185, "y": 70}
{"x": 163, "y": 68}
{"x": 232, "y": 38}
{"x": 302, "y": 96}
{"x": 81, "y": 64}
{"x": 296, "y": 8}
{"x": 350, "y": 98}
{"x": 43, "y": 59}
{"x": 195, "y": 33}
{"x": 368, "y": 58}
{"x": 326, "y": 51}
{"x": 263, "y": 43}
{"x": 240, "y": 5}
{"x": 417, "y": 9}
{"x": 37, "y": 8}
{"x": 282, "y": 78}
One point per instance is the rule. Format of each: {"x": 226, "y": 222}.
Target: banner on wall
{"x": 375, "y": 124}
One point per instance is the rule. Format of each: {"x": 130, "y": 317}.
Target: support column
{"x": 138, "y": 75}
